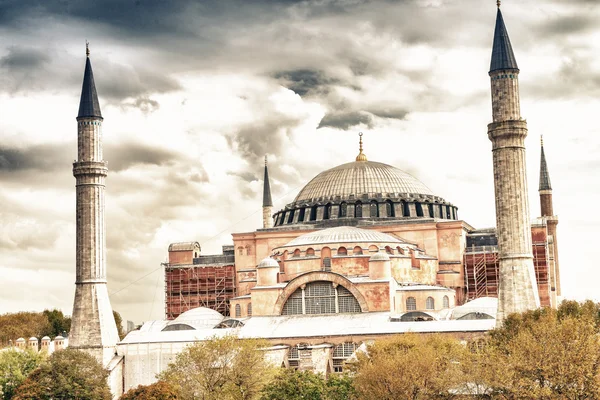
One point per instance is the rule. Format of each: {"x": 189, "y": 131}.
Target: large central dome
{"x": 359, "y": 178}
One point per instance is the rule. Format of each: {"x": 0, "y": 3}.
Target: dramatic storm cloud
{"x": 195, "y": 94}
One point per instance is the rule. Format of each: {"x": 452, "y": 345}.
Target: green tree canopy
{"x": 157, "y": 391}
{"x": 290, "y": 384}
{"x": 66, "y": 374}
{"x": 225, "y": 368}
{"x": 15, "y": 366}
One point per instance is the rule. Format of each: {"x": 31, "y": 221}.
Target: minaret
{"x": 517, "y": 287}
{"x": 267, "y": 202}
{"x": 93, "y": 327}
{"x": 547, "y": 211}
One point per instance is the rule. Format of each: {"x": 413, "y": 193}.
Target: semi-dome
{"x": 342, "y": 234}
{"x": 196, "y": 318}
{"x": 359, "y": 178}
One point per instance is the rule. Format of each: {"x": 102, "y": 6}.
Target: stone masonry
{"x": 517, "y": 287}
{"x": 93, "y": 327}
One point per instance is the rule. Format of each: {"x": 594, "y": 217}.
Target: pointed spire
{"x": 88, "y": 105}
{"x": 544, "y": 175}
{"x": 502, "y": 53}
{"x": 360, "y": 156}
{"x": 267, "y": 202}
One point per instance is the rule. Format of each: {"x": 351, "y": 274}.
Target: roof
{"x": 361, "y": 177}
{"x": 88, "y": 104}
{"x": 342, "y": 234}
{"x": 502, "y": 53}
{"x": 417, "y": 287}
{"x": 267, "y": 201}
{"x": 544, "y": 175}
{"x": 184, "y": 246}
{"x": 268, "y": 263}
{"x": 484, "y": 305}
{"x": 198, "y": 318}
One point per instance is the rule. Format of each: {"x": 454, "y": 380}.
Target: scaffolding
{"x": 191, "y": 286}
{"x": 482, "y": 270}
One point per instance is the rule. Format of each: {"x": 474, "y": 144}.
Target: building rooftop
{"x": 343, "y": 234}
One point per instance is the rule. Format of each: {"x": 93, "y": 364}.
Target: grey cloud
{"x": 19, "y": 58}
{"x": 346, "y": 119}
{"x": 42, "y": 157}
{"x": 567, "y": 25}
{"x": 389, "y": 113}
{"x": 304, "y": 81}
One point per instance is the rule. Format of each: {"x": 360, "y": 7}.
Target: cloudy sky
{"x": 194, "y": 94}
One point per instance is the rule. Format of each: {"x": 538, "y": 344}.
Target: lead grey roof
{"x": 342, "y": 234}
{"x": 184, "y": 246}
{"x": 544, "y": 175}
{"x": 361, "y": 177}
{"x": 267, "y": 201}
{"x": 502, "y": 53}
{"x": 88, "y": 104}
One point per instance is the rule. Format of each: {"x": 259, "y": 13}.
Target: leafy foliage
{"x": 224, "y": 368}
{"x": 409, "y": 366}
{"x": 157, "y": 391}
{"x": 119, "y": 322}
{"x": 15, "y": 366}
{"x": 32, "y": 324}
{"x": 66, "y": 374}
{"x": 289, "y": 384}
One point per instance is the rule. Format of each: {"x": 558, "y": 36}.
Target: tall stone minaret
{"x": 517, "y": 287}
{"x": 267, "y": 202}
{"x": 93, "y": 327}
{"x": 547, "y": 211}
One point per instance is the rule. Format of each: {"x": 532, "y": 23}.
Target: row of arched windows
{"x": 238, "y": 310}
{"x": 411, "y": 303}
{"x": 375, "y": 210}
{"x": 343, "y": 251}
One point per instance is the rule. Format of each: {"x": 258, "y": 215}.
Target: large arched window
{"x": 341, "y": 353}
{"x": 358, "y": 209}
{"x": 411, "y": 304}
{"x": 430, "y": 303}
{"x": 343, "y": 210}
{"x": 374, "y": 210}
{"x": 389, "y": 209}
{"x": 446, "y": 302}
{"x": 321, "y": 297}
{"x": 238, "y": 311}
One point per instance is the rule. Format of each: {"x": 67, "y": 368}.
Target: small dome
{"x": 198, "y": 318}
{"x": 380, "y": 256}
{"x": 46, "y": 338}
{"x": 482, "y": 305}
{"x": 20, "y": 340}
{"x": 33, "y": 339}
{"x": 268, "y": 263}
{"x": 59, "y": 338}
{"x": 342, "y": 234}
{"x": 361, "y": 177}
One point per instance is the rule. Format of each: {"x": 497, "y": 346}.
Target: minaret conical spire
{"x": 88, "y": 104}
{"x": 503, "y": 57}
{"x": 544, "y": 175}
{"x": 267, "y": 201}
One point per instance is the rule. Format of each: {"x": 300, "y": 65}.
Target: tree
{"x": 157, "y": 391}
{"x": 58, "y": 324}
{"x": 22, "y": 324}
{"x": 66, "y": 374}
{"x": 119, "y": 322}
{"x": 220, "y": 368}
{"x": 340, "y": 387}
{"x": 15, "y": 366}
{"x": 290, "y": 384}
{"x": 409, "y": 367}
{"x": 546, "y": 354}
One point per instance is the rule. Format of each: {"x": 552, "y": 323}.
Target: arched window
{"x": 442, "y": 215}
{"x": 419, "y": 208}
{"x": 389, "y": 250}
{"x": 291, "y": 217}
{"x": 248, "y": 250}
{"x": 389, "y": 209}
{"x": 430, "y": 207}
{"x": 373, "y": 248}
{"x": 374, "y": 210}
{"x": 240, "y": 251}
{"x": 310, "y": 252}
{"x": 238, "y": 311}
{"x": 405, "y": 209}
{"x": 446, "y": 302}
{"x": 430, "y": 303}
{"x": 343, "y": 210}
{"x": 301, "y": 215}
{"x": 321, "y": 297}
{"x": 313, "y": 213}
{"x": 400, "y": 251}
{"x": 342, "y": 251}
{"x": 341, "y": 353}
{"x": 296, "y": 253}
{"x": 358, "y": 209}
{"x": 249, "y": 309}
{"x": 327, "y": 211}
{"x": 357, "y": 250}
{"x": 411, "y": 304}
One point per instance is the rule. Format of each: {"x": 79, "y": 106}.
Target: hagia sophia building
{"x": 364, "y": 251}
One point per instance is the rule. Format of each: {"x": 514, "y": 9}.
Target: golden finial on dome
{"x": 498, "y": 3}
{"x": 542, "y": 140}
{"x": 87, "y": 48}
{"x": 360, "y": 156}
